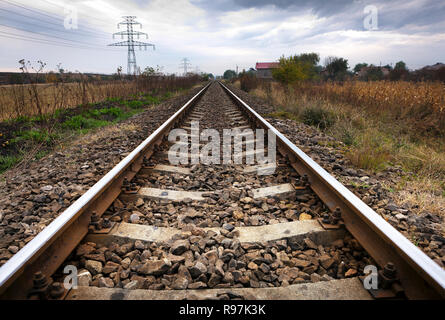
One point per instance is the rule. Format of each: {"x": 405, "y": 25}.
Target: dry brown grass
{"x": 19, "y": 100}
{"x": 381, "y": 123}
{"x": 421, "y": 105}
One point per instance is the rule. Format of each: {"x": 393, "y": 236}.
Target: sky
{"x": 218, "y": 35}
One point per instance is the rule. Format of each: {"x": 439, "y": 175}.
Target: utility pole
{"x": 236, "y": 69}
{"x": 185, "y": 64}
{"x": 129, "y": 21}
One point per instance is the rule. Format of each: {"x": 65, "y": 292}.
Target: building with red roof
{"x": 264, "y": 69}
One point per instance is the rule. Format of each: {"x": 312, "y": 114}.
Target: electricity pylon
{"x": 131, "y": 43}
{"x": 185, "y": 64}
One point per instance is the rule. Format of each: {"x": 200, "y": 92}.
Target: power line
{"x": 49, "y": 23}
{"x": 41, "y": 12}
{"x": 184, "y": 65}
{"x": 131, "y": 43}
{"x": 48, "y": 28}
{"x": 95, "y": 18}
{"x": 47, "y": 42}
{"x": 52, "y": 36}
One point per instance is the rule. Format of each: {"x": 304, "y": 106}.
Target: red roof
{"x": 266, "y": 65}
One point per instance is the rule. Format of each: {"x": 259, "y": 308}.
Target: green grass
{"x": 317, "y": 116}
{"x": 282, "y": 114}
{"x": 7, "y": 162}
{"x": 80, "y": 122}
{"x": 92, "y": 116}
{"x": 33, "y": 135}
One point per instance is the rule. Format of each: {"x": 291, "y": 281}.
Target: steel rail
{"x": 47, "y": 251}
{"x": 419, "y": 275}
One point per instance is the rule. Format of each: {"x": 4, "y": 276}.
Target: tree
{"x": 297, "y": 68}
{"x": 336, "y": 67}
{"x": 400, "y": 66}
{"x": 374, "y": 73}
{"x": 359, "y": 66}
{"x": 229, "y": 74}
{"x": 399, "y": 72}
{"x": 150, "y": 71}
{"x": 207, "y": 76}
{"x": 251, "y": 71}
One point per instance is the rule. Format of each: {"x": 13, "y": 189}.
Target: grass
{"x": 376, "y": 134}
{"x": 36, "y": 138}
{"x": 20, "y": 101}
{"x": 7, "y": 162}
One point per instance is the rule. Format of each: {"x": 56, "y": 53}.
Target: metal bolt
{"x": 39, "y": 280}
{"x": 336, "y": 216}
{"x": 390, "y": 270}
{"x": 106, "y": 223}
{"x": 326, "y": 218}
{"x": 39, "y": 288}
{"x": 95, "y": 219}
{"x": 337, "y": 212}
{"x": 56, "y": 290}
{"x": 305, "y": 179}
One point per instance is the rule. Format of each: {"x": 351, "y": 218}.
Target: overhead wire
{"x": 54, "y": 42}
{"x": 41, "y": 12}
{"x": 96, "y": 34}
{"x": 50, "y": 36}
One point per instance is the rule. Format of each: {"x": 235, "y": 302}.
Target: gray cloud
{"x": 392, "y": 15}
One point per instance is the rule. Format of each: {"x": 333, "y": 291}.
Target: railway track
{"x": 277, "y": 229}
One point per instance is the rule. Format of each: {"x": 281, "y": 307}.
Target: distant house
{"x": 434, "y": 67}
{"x": 264, "y": 69}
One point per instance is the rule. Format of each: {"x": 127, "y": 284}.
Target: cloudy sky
{"x": 221, "y": 34}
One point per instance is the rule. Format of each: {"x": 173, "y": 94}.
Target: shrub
{"x": 135, "y": 104}
{"x": 35, "y": 135}
{"x": 80, "y": 122}
{"x": 112, "y": 111}
{"x": 7, "y": 162}
{"x": 317, "y": 116}
{"x": 248, "y": 82}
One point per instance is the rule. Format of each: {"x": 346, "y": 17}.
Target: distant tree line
{"x": 305, "y": 66}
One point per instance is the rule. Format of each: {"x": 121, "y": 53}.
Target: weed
{"x": 135, "y": 104}
{"x": 317, "y": 116}
{"x": 80, "y": 122}
{"x": 7, "y": 162}
{"x": 282, "y": 114}
{"x": 34, "y": 135}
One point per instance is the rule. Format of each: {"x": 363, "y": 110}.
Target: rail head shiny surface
{"x": 26, "y": 254}
{"x": 417, "y": 257}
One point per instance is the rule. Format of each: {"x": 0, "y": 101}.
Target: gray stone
{"x": 95, "y": 267}
{"x": 132, "y": 285}
{"x": 180, "y": 283}
{"x": 110, "y": 267}
{"x": 180, "y": 246}
{"x": 228, "y": 227}
{"x": 197, "y": 285}
{"x": 106, "y": 283}
{"x": 84, "y": 278}
{"x": 46, "y": 188}
{"x": 156, "y": 267}
{"x": 134, "y": 218}
{"x": 198, "y": 269}
{"x": 214, "y": 280}
{"x": 13, "y": 249}
{"x": 391, "y": 207}
{"x": 315, "y": 277}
